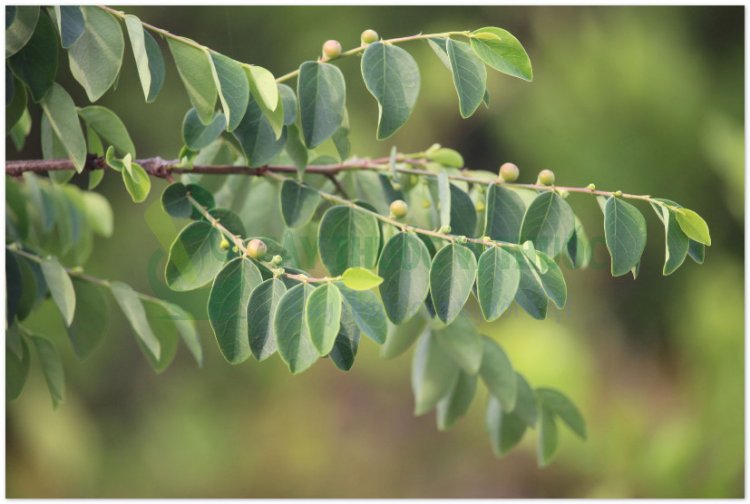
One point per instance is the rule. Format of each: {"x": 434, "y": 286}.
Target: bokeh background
{"x": 643, "y": 99}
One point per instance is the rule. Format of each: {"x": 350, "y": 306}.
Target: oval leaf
{"x": 452, "y": 275}
{"x": 131, "y": 305}
{"x": 36, "y": 63}
{"x": 108, "y": 128}
{"x": 61, "y": 113}
{"x": 261, "y": 309}
{"x": 194, "y": 257}
{"x": 196, "y": 71}
{"x": 497, "y": 373}
{"x": 298, "y": 203}
{"x": 148, "y": 58}
{"x": 96, "y": 57}
{"x": 504, "y": 214}
{"x": 348, "y": 238}
{"x": 323, "y": 314}
{"x": 227, "y": 307}
{"x": 405, "y": 269}
{"x": 321, "y": 91}
{"x": 392, "y": 77}
{"x": 233, "y": 88}
{"x": 498, "y": 277}
{"x": 549, "y": 222}
{"x": 21, "y": 29}
{"x": 502, "y": 51}
{"x": 367, "y": 311}
{"x": 60, "y": 287}
{"x": 197, "y": 135}
{"x": 693, "y": 225}
{"x": 292, "y": 336}
{"x": 469, "y": 76}
{"x": 433, "y": 374}
{"x": 360, "y": 279}
{"x": 256, "y": 136}
{"x": 89, "y": 324}
{"x": 455, "y": 405}
{"x": 625, "y": 234}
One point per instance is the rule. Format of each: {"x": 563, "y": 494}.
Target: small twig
{"x": 337, "y": 184}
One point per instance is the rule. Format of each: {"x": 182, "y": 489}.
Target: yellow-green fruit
{"x": 546, "y": 177}
{"x": 332, "y": 49}
{"x": 509, "y": 172}
{"x": 399, "y": 209}
{"x": 369, "y": 36}
{"x": 224, "y": 244}
{"x": 256, "y": 249}
{"x": 591, "y": 187}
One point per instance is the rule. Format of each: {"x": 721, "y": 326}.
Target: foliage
{"x": 458, "y": 233}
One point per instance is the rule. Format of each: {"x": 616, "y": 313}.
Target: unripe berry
{"x": 591, "y": 187}
{"x": 509, "y": 172}
{"x": 276, "y": 260}
{"x": 426, "y": 203}
{"x": 445, "y": 229}
{"x": 618, "y": 194}
{"x": 256, "y": 249}
{"x": 368, "y": 37}
{"x": 332, "y": 49}
{"x": 399, "y": 209}
{"x": 224, "y": 244}
{"x": 546, "y": 177}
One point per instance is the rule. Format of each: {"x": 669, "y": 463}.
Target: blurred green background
{"x": 643, "y": 99}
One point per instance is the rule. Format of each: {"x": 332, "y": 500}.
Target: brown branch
{"x": 158, "y": 167}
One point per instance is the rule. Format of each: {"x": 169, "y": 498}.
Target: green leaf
{"x": 405, "y": 269}
{"x": 96, "y": 57}
{"x": 263, "y": 87}
{"x": 392, "y": 77}
{"x": 185, "y": 325}
{"x": 131, "y": 305}
{"x": 549, "y": 222}
{"x": 497, "y": 373}
{"x": 194, "y": 257}
{"x": 60, "y": 287}
{"x": 360, "y": 279}
{"x": 261, "y": 309}
{"x": 433, "y": 374}
{"x": 498, "y": 277}
{"x": 547, "y": 444}
{"x": 578, "y": 250}
{"x": 347, "y": 341}
{"x": 693, "y": 225}
{"x": 401, "y": 337}
{"x": 197, "y": 135}
{"x": 322, "y": 94}
{"x": 16, "y": 369}
{"x": 61, "y": 113}
{"x": 160, "y": 320}
{"x": 292, "y": 335}
{"x": 504, "y": 214}
{"x": 289, "y": 102}
{"x": 21, "y": 29}
{"x": 526, "y": 401}
{"x": 531, "y": 295}
{"x": 13, "y": 287}
{"x": 36, "y": 63}
{"x": 506, "y": 429}
{"x": 233, "y": 88}
{"x": 348, "y": 238}
{"x": 21, "y": 130}
{"x": 462, "y": 342}
{"x": 17, "y": 106}
{"x": 323, "y": 314}
{"x": 446, "y": 157}
{"x": 148, "y": 58}
{"x": 227, "y": 307}
{"x": 455, "y": 405}
{"x": 174, "y": 201}
{"x": 341, "y": 138}
{"x": 51, "y": 367}
{"x": 298, "y": 203}
{"x": 552, "y": 281}
{"x": 676, "y": 242}
{"x": 452, "y": 275}
{"x": 89, "y": 325}
{"x": 697, "y": 251}
{"x": 367, "y": 312}
{"x": 196, "y": 71}
{"x": 137, "y": 181}
{"x": 29, "y": 287}
{"x": 441, "y": 196}
{"x": 502, "y": 51}
{"x": 463, "y": 217}
{"x": 563, "y": 408}
{"x": 625, "y": 234}
{"x": 70, "y": 23}
{"x": 257, "y": 138}
{"x": 109, "y": 128}
{"x": 469, "y": 76}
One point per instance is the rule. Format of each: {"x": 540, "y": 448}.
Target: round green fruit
{"x": 399, "y": 209}
{"x": 256, "y": 249}
{"x": 509, "y": 172}
{"x": 546, "y": 177}
{"x": 332, "y": 49}
{"x": 368, "y": 37}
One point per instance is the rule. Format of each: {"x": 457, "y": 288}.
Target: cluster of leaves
{"x": 466, "y": 236}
